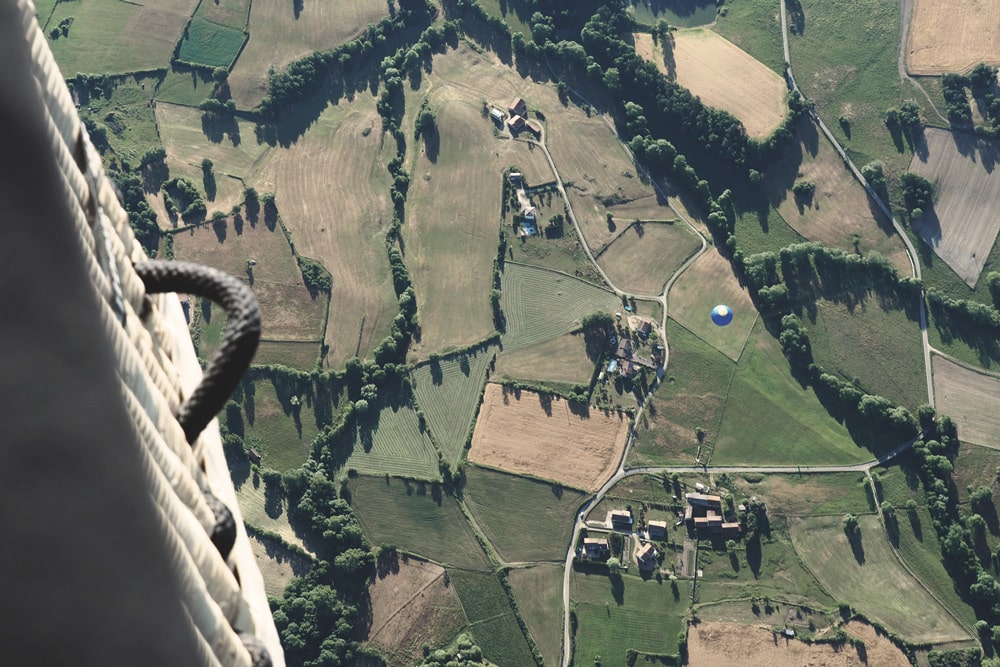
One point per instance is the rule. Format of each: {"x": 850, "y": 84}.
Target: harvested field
{"x": 281, "y": 32}
{"x": 717, "y": 644}
{"x": 560, "y": 359}
{"x": 971, "y": 398}
{"x": 722, "y": 75}
{"x": 278, "y": 565}
{"x": 707, "y": 282}
{"x": 538, "y": 590}
{"x": 412, "y": 605}
{"x": 389, "y": 442}
{"x": 527, "y": 433}
{"x": 952, "y": 36}
{"x": 644, "y": 256}
{"x": 118, "y": 37}
{"x": 963, "y": 225}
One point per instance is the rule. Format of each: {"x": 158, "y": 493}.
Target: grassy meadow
{"x": 755, "y": 27}
{"x": 645, "y": 254}
{"x": 827, "y": 494}
{"x": 684, "y": 15}
{"x": 416, "y": 517}
{"x": 265, "y": 513}
{"x": 188, "y": 87}
{"x": 557, "y": 251}
{"x": 538, "y": 590}
{"x": 283, "y": 434}
{"x": 388, "y": 442}
{"x": 491, "y": 618}
{"x": 126, "y": 115}
{"x": 559, "y": 360}
{"x": 524, "y": 519}
{"x": 210, "y": 44}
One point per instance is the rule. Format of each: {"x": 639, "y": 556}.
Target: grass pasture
{"x": 562, "y": 359}
{"x": 874, "y": 582}
{"x": 640, "y": 615}
{"x": 538, "y": 590}
{"x": 541, "y": 304}
{"x": 722, "y": 75}
{"x": 418, "y": 518}
{"x": 708, "y": 282}
{"x": 130, "y": 122}
{"x": 210, "y": 44}
{"x": 685, "y": 15}
{"x": 389, "y": 442}
{"x": 491, "y": 618}
{"x": 642, "y": 258}
{"x": 294, "y": 354}
{"x": 277, "y": 564}
{"x": 952, "y": 36}
{"x": 524, "y": 519}
{"x": 189, "y": 88}
{"x": 962, "y": 227}
{"x": 755, "y": 27}
{"x": 261, "y": 514}
{"x": 283, "y": 437}
{"x": 281, "y": 32}
{"x": 118, "y": 37}
{"x": 809, "y": 495}
{"x": 448, "y": 392}
{"x": 547, "y": 437}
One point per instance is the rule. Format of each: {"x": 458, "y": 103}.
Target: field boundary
{"x": 629, "y": 226}
{"x": 568, "y": 275}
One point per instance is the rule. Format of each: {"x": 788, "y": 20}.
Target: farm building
{"x": 497, "y": 115}
{"x": 621, "y": 519}
{"x": 515, "y": 177}
{"x": 628, "y": 368}
{"x": 645, "y": 329}
{"x": 612, "y": 366}
{"x": 254, "y": 456}
{"x": 657, "y": 530}
{"x": 704, "y": 500}
{"x": 731, "y": 529}
{"x": 518, "y": 108}
{"x": 533, "y": 127}
{"x": 596, "y": 548}
{"x": 646, "y": 556}
{"x": 624, "y": 348}
{"x": 516, "y": 123}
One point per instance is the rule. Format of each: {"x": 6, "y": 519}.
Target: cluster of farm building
{"x": 516, "y": 118}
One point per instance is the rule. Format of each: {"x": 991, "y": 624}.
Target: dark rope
{"x": 239, "y": 342}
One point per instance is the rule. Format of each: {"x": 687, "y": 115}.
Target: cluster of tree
{"x": 993, "y": 284}
{"x": 61, "y": 30}
{"x": 141, "y": 218}
{"x": 918, "y": 193}
{"x": 314, "y": 275}
{"x": 426, "y": 122}
{"x": 804, "y": 189}
{"x": 904, "y": 122}
{"x": 181, "y": 197}
{"x": 874, "y": 173}
{"x": 152, "y": 156}
{"x": 964, "y": 313}
{"x": 464, "y": 654}
{"x": 956, "y": 101}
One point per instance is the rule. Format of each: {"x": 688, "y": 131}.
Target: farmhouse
{"x": 518, "y": 108}
{"x": 646, "y": 555}
{"x": 657, "y": 530}
{"x": 621, "y": 519}
{"x": 706, "y": 501}
{"x": 731, "y": 529}
{"x": 516, "y": 123}
{"x": 628, "y": 368}
{"x": 645, "y": 329}
{"x": 704, "y": 512}
{"x": 625, "y": 348}
{"x": 596, "y": 548}
{"x": 497, "y": 116}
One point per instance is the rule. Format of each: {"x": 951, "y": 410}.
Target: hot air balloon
{"x": 722, "y": 315}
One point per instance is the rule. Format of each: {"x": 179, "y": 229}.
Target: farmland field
{"x": 280, "y": 32}
{"x": 257, "y": 512}
{"x": 952, "y": 36}
{"x": 418, "y": 518}
{"x": 755, "y": 27}
{"x": 294, "y": 354}
{"x": 211, "y": 44}
{"x": 708, "y": 282}
{"x": 810, "y": 495}
{"x": 112, "y": 37}
{"x": 412, "y": 605}
{"x": 187, "y": 88}
{"x": 562, "y": 359}
{"x": 898, "y": 602}
{"x": 283, "y": 437}
{"x": 538, "y": 590}
{"x": 642, "y": 258}
{"x": 277, "y": 564}
{"x": 524, "y": 519}
{"x": 448, "y": 392}
{"x": 389, "y": 442}
{"x": 641, "y": 615}
{"x": 130, "y": 122}
{"x": 684, "y": 15}
{"x": 722, "y": 75}
{"x": 962, "y": 227}
{"x": 547, "y": 437}
{"x": 971, "y": 398}
{"x": 491, "y": 618}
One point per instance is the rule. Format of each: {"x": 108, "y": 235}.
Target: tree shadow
{"x": 545, "y": 400}
{"x": 273, "y": 500}
{"x": 857, "y": 547}
{"x": 297, "y": 8}
{"x": 437, "y": 377}
{"x": 211, "y": 188}
{"x": 219, "y": 227}
{"x": 617, "y": 588}
{"x": 432, "y": 143}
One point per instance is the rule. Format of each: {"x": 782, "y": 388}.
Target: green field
{"x": 388, "y": 442}
{"x": 976, "y": 466}
{"x": 637, "y": 614}
{"x": 448, "y": 391}
{"x": 491, "y": 618}
{"x": 281, "y": 434}
{"x": 185, "y": 87}
{"x": 808, "y": 495}
{"x": 540, "y": 304}
{"x": 524, "y": 519}
{"x": 684, "y": 15}
{"x": 418, "y": 518}
{"x": 562, "y": 359}
{"x": 692, "y": 394}
{"x": 764, "y": 230}
{"x": 652, "y": 489}
{"x": 538, "y": 590}
{"x": 559, "y": 252}
{"x": 643, "y": 257}
{"x": 294, "y": 354}
{"x": 126, "y": 115}
{"x": 874, "y": 581}
{"x": 755, "y": 27}
{"x": 769, "y": 417}
{"x": 211, "y": 44}
{"x": 259, "y": 513}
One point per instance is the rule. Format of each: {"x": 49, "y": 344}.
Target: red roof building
{"x": 518, "y": 107}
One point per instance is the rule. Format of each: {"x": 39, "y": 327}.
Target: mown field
{"x": 416, "y": 517}
{"x": 538, "y": 590}
{"x": 952, "y": 36}
{"x": 118, "y": 37}
{"x": 642, "y": 258}
{"x": 636, "y": 614}
{"x": 280, "y": 32}
{"x": 491, "y": 618}
{"x": 755, "y": 27}
{"x": 277, "y": 565}
{"x": 388, "y": 442}
{"x": 562, "y": 359}
{"x": 685, "y": 15}
{"x": 260, "y": 513}
{"x": 708, "y": 282}
{"x": 769, "y": 417}
{"x": 540, "y": 304}
{"x": 692, "y": 395}
{"x": 126, "y": 115}
{"x": 962, "y": 226}
{"x": 448, "y": 392}
{"x": 524, "y": 519}
{"x": 872, "y": 579}
{"x": 189, "y": 88}
{"x": 722, "y": 75}
{"x": 216, "y": 33}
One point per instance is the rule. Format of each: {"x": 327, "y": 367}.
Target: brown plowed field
{"x": 726, "y": 644}
{"x": 963, "y": 224}
{"x": 523, "y": 432}
{"x": 953, "y": 35}
{"x": 971, "y": 399}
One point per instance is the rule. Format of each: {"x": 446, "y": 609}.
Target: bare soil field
{"x": 952, "y": 36}
{"x": 643, "y": 257}
{"x": 559, "y": 359}
{"x": 963, "y": 223}
{"x": 724, "y": 644}
{"x": 705, "y": 284}
{"x": 526, "y": 433}
{"x": 722, "y": 75}
{"x": 970, "y": 398}
{"x": 412, "y": 604}
{"x": 280, "y": 33}
{"x": 839, "y": 209}
{"x": 278, "y": 565}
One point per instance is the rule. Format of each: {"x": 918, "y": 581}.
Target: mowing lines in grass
{"x": 971, "y": 398}
{"x": 390, "y": 442}
{"x": 562, "y": 359}
{"x": 416, "y": 517}
{"x": 277, "y": 564}
{"x": 538, "y": 590}
{"x": 259, "y": 513}
{"x": 448, "y": 392}
{"x": 872, "y": 579}
{"x": 525, "y": 519}
{"x": 646, "y": 254}
{"x": 493, "y": 623}
{"x": 216, "y": 33}
{"x": 541, "y": 304}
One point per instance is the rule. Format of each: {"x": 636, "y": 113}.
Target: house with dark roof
{"x": 646, "y": 556}
{"x": 596, "y": 548}
{"x": 657, "y": 530}
{"x": 518, "y": 107}
{"x": 645, "y": 329}
{"x": 516, "y": 123}
{"x": 621, "y": 519}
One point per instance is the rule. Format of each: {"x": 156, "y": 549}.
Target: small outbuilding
{"x": 646, "y": 556}
{"x": 254, "y": 456}
{"x": 657, "y": 530}
{"x": 497, "y": 115}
